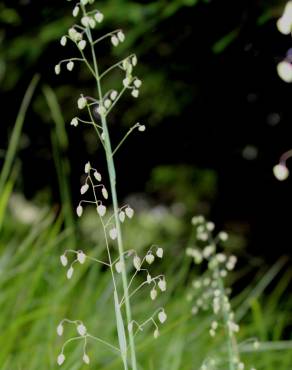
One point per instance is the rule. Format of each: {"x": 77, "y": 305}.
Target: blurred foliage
{"x": 30, "y": 30}
{"x": 35, "y": 295}
{"x": 187, "y": 185}
{"x": 179, "y": 44}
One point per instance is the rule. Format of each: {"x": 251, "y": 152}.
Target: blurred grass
{"x": 9, "y": 169}
{"x": 60, "y": 144}
{"x": 16, "y": 133}
{"x": 35, "y": 295}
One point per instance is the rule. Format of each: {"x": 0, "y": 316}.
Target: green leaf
{"x": 121, "y": 330}
{"x": 225, "y": 41}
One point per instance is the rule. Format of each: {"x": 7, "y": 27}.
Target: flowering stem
{"x": 233, "y": 357}
{"x": 112, "y": 178}
{"x": 124, "y": 139}
{"x": 230, "y": 341}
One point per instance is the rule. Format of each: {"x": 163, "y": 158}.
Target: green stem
{"x": 112, "y": 177}
{"x": 124, "y": 139}
{"x": 103, "y": 74}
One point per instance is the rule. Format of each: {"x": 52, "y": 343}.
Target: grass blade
{"x": 60, "y": 145}
{"x": 121, "y": 331}
{"x": 14, "y": 140}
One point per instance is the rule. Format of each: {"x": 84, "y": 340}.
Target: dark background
{"x": 211, "y": 99}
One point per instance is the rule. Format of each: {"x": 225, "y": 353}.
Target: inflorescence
{"x": 209, "y": 291}
{"x": 119, "y": 262}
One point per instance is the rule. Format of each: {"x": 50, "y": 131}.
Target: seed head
{"x": 135, "y": 93}
{"x": 61, "y": 358}
{"x": 212, "y": 333}
{"x": 107, "y": 103}
{"x": 141, "y": 128}
{"x": 121, "y": 36}
{"x": 129, "y": 212}
{"x": 81, "y": 329}
{"x": 63, "y": 40}
{"x": 283, "y": 26}
{"x": 70, "y": 65}
{"x": 159, "y": 252}
{"x": 214, "y": 325}
{"x": 119, "y": 267}
{"x": 137, "y": 262}
{"x": 91, "y": 23}
{"x": 197, "y": 220}
{"x": 87, "y": 167}
{"x": 125, "y": 64}
{"x": 223, "y": 236}
{"x": 114, "y": 40}
{"x": 113, "y": 95}
{"x": 156, "y": 333}
{"x": 79, "y": 210}
{"x": 84, "y": 188}
{"x": 208, "y": 251}
{"x": 70, "y": 273}
{"x": 97, "y": 175}
{"x": 130, "y": 326}
{"x": 137, "y": 83}
{"x": 81, "y": 257}
{"x": 202, "y": 236}
{"x": 284, "y": 70}
{"x": 153, "y": 294}
{"x": 162, "y": 285}
{"x": 149, "y": 258}
{"x": 81, "y": 102}
{"x": 210, "y": 226}
{"x": 99, "y": 17}
{"x": 134, "y": 60}
{"x": 221, "y": 257}
{"x": 162, "y": 316}
{"x": 101, "y": 210}
{"x": 60, "y": 330}
{"x": 81, "y": 44}
{"x": 122, "y": 216}
{"x": 281, "y": 172}
{"x": 74, "y": 35}
{"x": 127, "y": 81}
{"x": 104, "y": 192}
{"x": 75, "y": 11}
{"x": 74, "y": 122}
{"x": 57, "y": 69}
{"x": 72, "y": 32}
{"x": 113, "y": 233}
{"x": 64, "y": 260}
{"x": 86, "y": 359}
